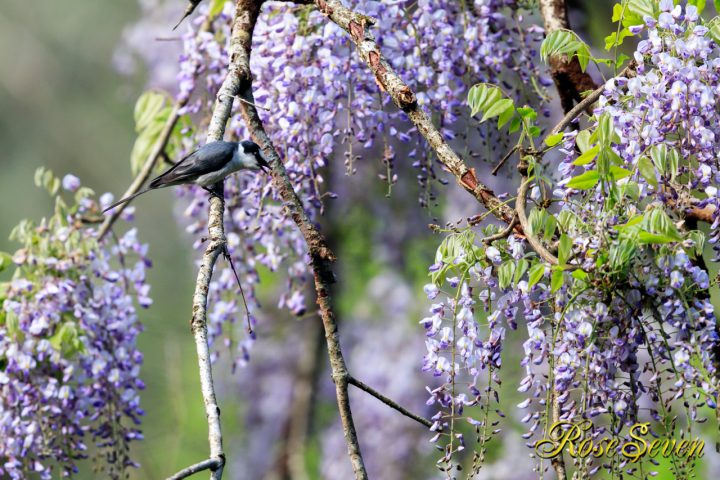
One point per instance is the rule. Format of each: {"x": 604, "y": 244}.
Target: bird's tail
{"x": 127, "y": 199}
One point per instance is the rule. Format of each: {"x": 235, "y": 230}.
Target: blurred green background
{"x": 63, "y": 105}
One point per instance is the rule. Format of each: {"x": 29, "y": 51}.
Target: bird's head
{"x": 253, "y": 156}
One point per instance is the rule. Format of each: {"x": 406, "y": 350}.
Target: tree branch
{"x": 356, "y": 25}
{"x": 148, "y": 167}
{"x": 243, "y": 24}
{"x": 569, "y": 78}
{"x": 534, "y": 242}
{"x": 320, "y": 254}
{"x": 389, "y": 402}
{"x": 209, "y": 464}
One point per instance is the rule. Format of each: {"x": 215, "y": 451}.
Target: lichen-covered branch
{"x": 243, "y": 24}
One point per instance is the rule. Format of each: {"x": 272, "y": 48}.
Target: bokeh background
{"x": 65, "y": 104}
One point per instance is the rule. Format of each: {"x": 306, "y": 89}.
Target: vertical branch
{"x": 243, "y": 24}
{"x": 569, "y": 78}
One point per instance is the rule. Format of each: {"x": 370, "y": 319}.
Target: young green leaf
{"x": 588, "y": 156}
{"x": 505, "y": 274}
{"x": 553, "y": 140}
{"x": 647, "y": 170}
{"x": 536, "y": 273}
{"x": 564, "y": 249}
{"x": 556, "y": 281}
{"x": 584, "y": 181}
{"x": 498, "y": 108}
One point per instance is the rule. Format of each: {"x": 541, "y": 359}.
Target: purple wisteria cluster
{"x": 624, "y": 326}
{"x": 69, "y": 364}
{"x": 305, "y": 67}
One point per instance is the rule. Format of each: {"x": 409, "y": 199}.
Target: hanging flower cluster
{"x": 304, "y": 67}
{"x": 624, "y": 319}
{"x": 69, "y": 364}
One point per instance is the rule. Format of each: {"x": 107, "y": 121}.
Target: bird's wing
{"x": 210, "y": 158}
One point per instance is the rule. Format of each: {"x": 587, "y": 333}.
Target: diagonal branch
{"x": 209, "y": 464}
{"x": 320, "y": 254}
{"x": 155, "y": 155}
{"x": 389, "y": 402}
{"x": 356, "y": 25}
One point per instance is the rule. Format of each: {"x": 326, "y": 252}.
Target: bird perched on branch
{"x": 188, "y": 11}
{"x": 207, "y": 166}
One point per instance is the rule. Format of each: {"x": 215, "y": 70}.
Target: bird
{"x": 207, "y": 166}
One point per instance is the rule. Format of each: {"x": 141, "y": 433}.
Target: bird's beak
{"x": 264, "y": 165}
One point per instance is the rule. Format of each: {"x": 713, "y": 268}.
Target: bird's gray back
{"x": 210, "y": 158}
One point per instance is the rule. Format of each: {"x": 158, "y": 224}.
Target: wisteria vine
{"x": 68, "y": 341}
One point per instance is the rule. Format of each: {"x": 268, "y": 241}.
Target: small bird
{"x": 207, "y": 166}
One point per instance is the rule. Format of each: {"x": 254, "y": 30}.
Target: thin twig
{"x": 504, "y": 159}
{"x": 389, "y": 402}
{"x": 586, "y": 102}
{"x": 208, "y": 464}
{"x": 148, "y": 167}
{"x": 157, "y": 153}
{"x": 226, "y": 254}
{"x": 503, "y": 233}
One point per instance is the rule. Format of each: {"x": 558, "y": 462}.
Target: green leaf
{"x": 647, "y": 170}
{"x": 536, "y": 273}
{"x": 527, "y": 113}
{"x": 584, "y": 56}
{"x": 714, "y": 24}
{"x": 553, "y": 140}
{"x": 613, "y": 40}
{"x": 584, "y": 181}
{"x": 505, "y": 117}
{"x": 556, "y": 281}
{"x": 621, "y": 253}
{"x": 654, "y": 238}
{"x": 498, "y": 108}
{"x": 482, "y": 96}
{"x": 534, "y": 131}
{"x": 565, "y": 42}
{"x": 520, "y": 269}
{"x": 147, "y": 108}
{"x": 658, "y": 228}
{"x": 564, "y": 249}
{"x": 583, "y": 140}
{"x": 588, "y": 156}
{"x": 618, "y": 173}
{"x": 698, "y": 239}
{"x": 605, "y": 129}
{"x": 658, "y": 153}
{"x": 580, "y": 275}
{"x": 505, "y": 274}
{"x": 5, "y": 261}
{"x": 66, "y": 340}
